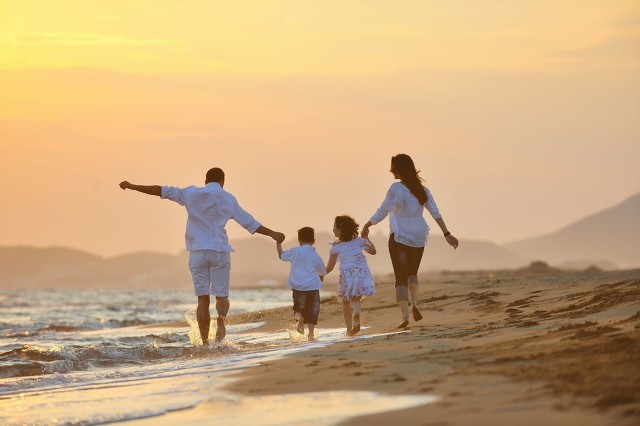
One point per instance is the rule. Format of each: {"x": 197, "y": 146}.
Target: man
{"x": 208, "y": 209}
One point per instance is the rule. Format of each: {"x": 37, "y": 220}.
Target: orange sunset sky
{"x": 524, "y": 116}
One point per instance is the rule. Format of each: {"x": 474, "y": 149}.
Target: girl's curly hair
{"x": 347, "y": 226}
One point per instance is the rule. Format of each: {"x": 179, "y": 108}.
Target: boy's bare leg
{"x": 222, "y": 307}
{"x": 355, "y": 307}
{"x": 312, "y": 336}
{"x": 204, "y": 318}
{"x": 298, "y": 316}
{"x": 346, "y": 311}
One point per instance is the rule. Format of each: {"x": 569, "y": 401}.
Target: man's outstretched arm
{"x": 145, "y": 189}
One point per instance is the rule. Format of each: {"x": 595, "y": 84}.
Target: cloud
{"x": 81, "y": 39}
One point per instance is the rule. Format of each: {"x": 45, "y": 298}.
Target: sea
{"x": 84, "y": 357}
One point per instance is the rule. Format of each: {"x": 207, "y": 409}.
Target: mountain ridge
{"x": 609, "y": 239}
{"x": 611, "y": 234}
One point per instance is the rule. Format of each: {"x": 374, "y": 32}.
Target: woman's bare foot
{"x": 417, "y": 316}
{"x": 403, "y": 324}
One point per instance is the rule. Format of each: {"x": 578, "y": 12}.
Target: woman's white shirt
{"x": 406, "y": 219}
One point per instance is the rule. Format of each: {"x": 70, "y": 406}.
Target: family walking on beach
{"x": 210, "y": 207}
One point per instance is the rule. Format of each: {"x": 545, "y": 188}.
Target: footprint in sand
{"x": 394, "y": 378}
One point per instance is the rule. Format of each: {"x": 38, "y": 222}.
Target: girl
{"x": 355, "y": 277}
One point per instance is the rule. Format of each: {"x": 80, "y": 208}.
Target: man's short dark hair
{"x": 306, "y": 235}
{"x": 215, "y": 175}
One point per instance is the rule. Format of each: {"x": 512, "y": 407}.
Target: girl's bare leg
{"x": 355, "y": 307}
{"x": 346, "y": 311}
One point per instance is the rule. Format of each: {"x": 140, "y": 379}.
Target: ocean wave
{"x": 12, "y": 331}
{"x": 33, "y": 360}
{"x": 37, "y": 360}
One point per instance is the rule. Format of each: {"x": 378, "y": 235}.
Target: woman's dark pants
{"x": 406, "y": 261}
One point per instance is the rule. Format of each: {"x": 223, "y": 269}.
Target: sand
{"x": 530, "y": 347}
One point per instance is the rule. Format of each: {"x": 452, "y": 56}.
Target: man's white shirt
{"x": 209, "y": 208}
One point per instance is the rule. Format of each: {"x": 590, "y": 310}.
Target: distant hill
{"x": 608, "y": 239}
{"x": 254, "y": 263}
{"x": 62, "y": 267}
{"x": 611, "y": 236}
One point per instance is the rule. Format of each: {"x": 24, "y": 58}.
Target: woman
{"x": 404, "y": 203}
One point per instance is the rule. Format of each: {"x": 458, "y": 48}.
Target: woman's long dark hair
{"x": 404, "y": 167}
{"x": 347, "y": 226}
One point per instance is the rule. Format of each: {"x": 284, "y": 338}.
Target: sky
{"x": 522, "y": 116}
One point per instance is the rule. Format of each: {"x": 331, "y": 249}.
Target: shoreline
{"x": 501, "y": 348}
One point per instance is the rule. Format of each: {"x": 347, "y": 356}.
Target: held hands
{"x": 453, "y": 241}
{"x": 278, "y": 236}
{"x": 365, "y": 231}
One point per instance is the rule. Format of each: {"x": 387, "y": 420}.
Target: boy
{"x": 305, "y": 279}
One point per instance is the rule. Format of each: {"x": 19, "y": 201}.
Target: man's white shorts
{"x": 210, "y": 271}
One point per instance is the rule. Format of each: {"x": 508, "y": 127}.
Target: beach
{"x": 528, "y": 347}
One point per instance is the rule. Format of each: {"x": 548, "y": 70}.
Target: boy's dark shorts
{"x": 307, "y": 302}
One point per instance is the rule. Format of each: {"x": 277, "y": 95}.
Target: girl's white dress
{"x": 355, "y": 275}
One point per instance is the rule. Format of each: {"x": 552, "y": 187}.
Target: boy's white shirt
{"x": 306, "y": 268}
